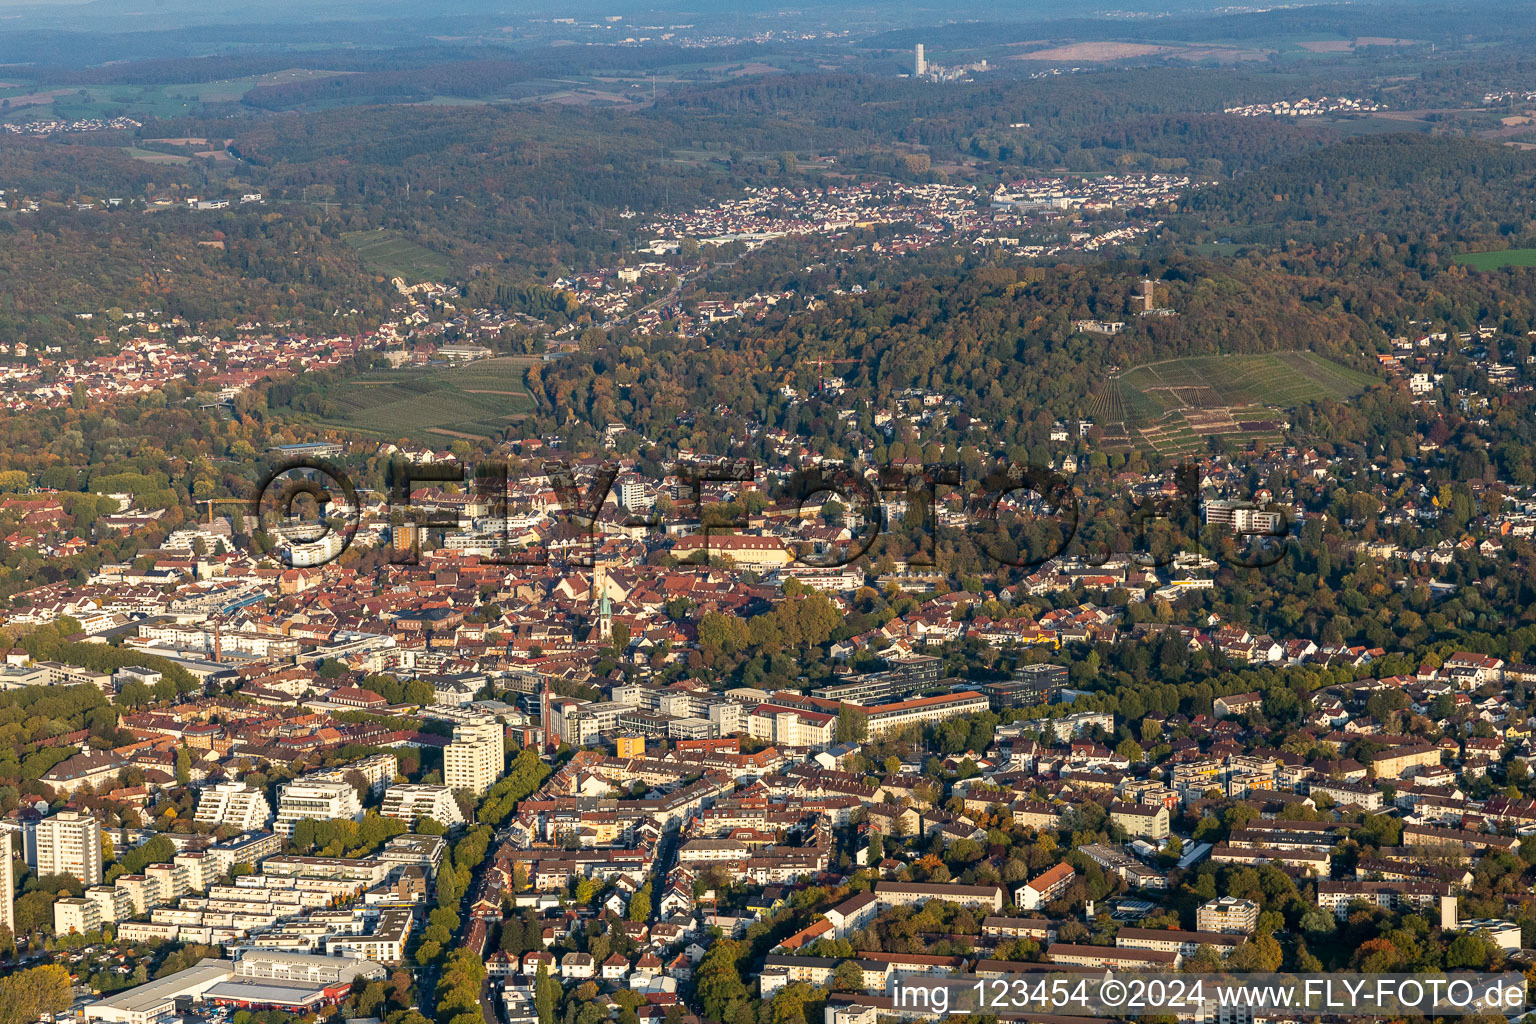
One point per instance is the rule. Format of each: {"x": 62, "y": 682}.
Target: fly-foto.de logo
{"x": 828, "y": 516}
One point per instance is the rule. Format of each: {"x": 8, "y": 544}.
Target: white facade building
{"x": 476, "y": 757}
{"x": 321, "y": 800}
{"x": 410, "y": 802}
{"x": 69, "y": 843}
{"x": 231, "y": 803}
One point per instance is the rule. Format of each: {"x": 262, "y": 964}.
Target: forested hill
{"x": 1412, "y": 189}
{"x": 1098, "y": 121}
{"x": 480, "y": 73}
{"x": 1000, "y": 339}
{"x": 1502, "y": 19}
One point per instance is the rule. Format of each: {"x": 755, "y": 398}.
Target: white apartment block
{"x": 410, "y": 802}
{"x": 145, "y": 891}
{"x": 197, "y": 870}
{"x": 323, "y": 801}
{"x": 1076, "y": 725}
{"x": 112, "y": 903}
{"x": 75, "y": 914}
{"x": 7, "y": 885}
{"x": 728, "y": 717}
{"x": 250, "y": 849}
{"x": 231, "y": 803}
{"x": 367, "y": 870}
{"x": 385, "y": 944}
{"x": 476, "y": 757}
{"x": 922, "y": 711}
{"x": 172, "y": 878}
{"x": 792, "y": 727}
{"x": 378, "y": 769}
{"x": 69, "y": 843}
{"x": 1229, "y": 914}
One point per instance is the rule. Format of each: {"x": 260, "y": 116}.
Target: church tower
{"x": 602, "y": 608}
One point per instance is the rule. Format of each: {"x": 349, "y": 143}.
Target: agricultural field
{"x": 392, "y": 254}
{"x": 433, "y": 405}
{"x": 150, "y": 156}
{"x": 26, "y": 103}
{"x": 20, "y": 101}
{"x": 230, "y": 90}
{"x": 1174, "y": 405}
{"x": 1498, "y": 259}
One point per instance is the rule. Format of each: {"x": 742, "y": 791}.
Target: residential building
{"x": 425, "y": 852}
{"x": 7, "y": 886}
{"x": 923, "y": 711}
{"x": 321, "y": 800}
{"x": 1337, "y": 896}
{"x": 1031, "y": 685}
{"x": 1148, "y": 822}
{"x": 1237, "y": 704}
{"x": 75, "y": 914}
{"x": 1227, "y": 914}
{"x": 1347, "y": 794}
{"x": 792, "y": 727}
{"x": 385, "y": 944}
{"x": 900, "y": 894}
{"x": 69, "y": 843}
{"x": 1397, "y": 762}
{"x": 412, "y": 802}
{"x": 1114, "y": 957}
{"x": 476, "y": 757}
{"x": 1045, "y": 888}
{"x": 1170, "y": 940}
{"x": 236, "y": 805}
{"x": 378, "y": 770}
{"x": 86, "y": 770}
{"x": 852, "y": 914}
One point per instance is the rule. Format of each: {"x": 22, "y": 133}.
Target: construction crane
{"x": 210, "y": 502}
{"x": 820, "y": 364}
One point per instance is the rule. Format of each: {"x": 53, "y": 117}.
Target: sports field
{"x": 435, "y": 405}
{"x": 1173, "y": 405}
{"x": 392, "y": 254}
{"x": 1495, "y": 260}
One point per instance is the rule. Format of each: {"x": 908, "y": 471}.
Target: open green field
{"x": 230, "y": 90}
{"x": 435, "y": 405}
{"x": 150, "y": 156}
{"x": 101, "y": 101}
{"x": 393, "y": 255}
{"x": 1495, "y": 260}
{"x": 177, "y": 99}
{"x": 1217, "y": 248}
{"x": 1278, "y": 380}
{"x": 1175, "y": 404}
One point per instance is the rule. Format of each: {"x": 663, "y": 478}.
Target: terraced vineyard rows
{"x": 1174, "y": 405}
{"x": 436, "y": 404}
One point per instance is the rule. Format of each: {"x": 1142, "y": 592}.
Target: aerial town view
{"x": 674, "y": 513}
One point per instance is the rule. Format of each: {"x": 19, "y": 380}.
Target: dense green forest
{"x": 1425, "y": 193}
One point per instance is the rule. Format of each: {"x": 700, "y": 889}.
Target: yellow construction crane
{"x": 210, "y": 502}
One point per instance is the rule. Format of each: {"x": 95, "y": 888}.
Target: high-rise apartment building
{"x": 476, "y": 757}
{"x": 69, "y": 843}
{"x": 7, "y": 886}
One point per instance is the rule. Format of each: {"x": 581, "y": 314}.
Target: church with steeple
{"x": 602, "y": 607}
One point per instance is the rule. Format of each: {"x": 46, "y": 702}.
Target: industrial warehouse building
{"x": 259, "y": 980}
